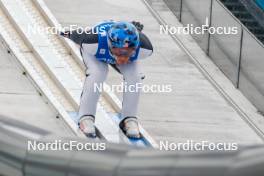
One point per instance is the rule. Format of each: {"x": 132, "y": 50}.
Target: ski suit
{"x": 97, "y": 57}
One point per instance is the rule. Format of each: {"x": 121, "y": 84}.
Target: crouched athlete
{"x": 119, "y": 44}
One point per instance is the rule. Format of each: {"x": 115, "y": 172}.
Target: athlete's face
{"x": 122, "y": 54}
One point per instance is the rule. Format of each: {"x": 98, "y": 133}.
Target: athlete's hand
{"x": 65, "y": 34}
{"x": 138, "y": 25}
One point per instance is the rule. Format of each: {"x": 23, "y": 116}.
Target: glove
{"x": 65, "y": 34}
{"x": 138, "y": 25}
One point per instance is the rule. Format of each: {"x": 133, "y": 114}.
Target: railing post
{"x": 181, "y": 11}
{"x": 210, "y": 24}
{"x": 240, "y": 57}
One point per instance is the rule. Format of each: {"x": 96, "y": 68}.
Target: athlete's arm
{"x": 89, "y": 41}
{"x": 86, "y": 40}
{"x": 80, "y": 37}
{"x": 146, "y": 48}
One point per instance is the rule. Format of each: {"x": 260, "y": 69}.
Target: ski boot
{"x": 129, "y": 126}
{"x": 86, "y": 124}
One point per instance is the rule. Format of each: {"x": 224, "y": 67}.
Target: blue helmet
{"x": 123, "y": 34}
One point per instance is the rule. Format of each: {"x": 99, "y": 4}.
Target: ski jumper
{"x": 97, "y": 57}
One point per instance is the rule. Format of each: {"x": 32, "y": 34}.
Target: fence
{"x": 240, "y": 56}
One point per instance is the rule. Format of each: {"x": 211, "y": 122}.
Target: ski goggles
{"x": 125, "y": 52}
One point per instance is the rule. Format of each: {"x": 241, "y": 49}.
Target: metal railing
{"x": 116, "y": 159}
{"x": 239, "y": 56}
